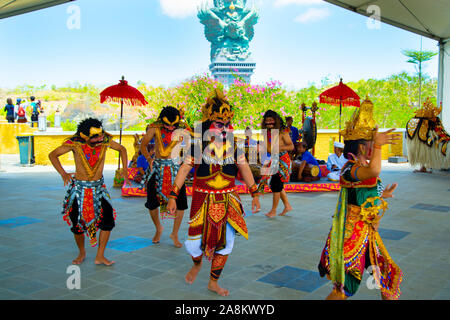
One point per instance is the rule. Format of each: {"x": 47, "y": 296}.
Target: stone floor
{"x": 279, "y": 261}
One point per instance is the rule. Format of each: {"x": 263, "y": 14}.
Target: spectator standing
{"x": 16, "y": 108}
{"x": 293, "y": 131}
{"x": 21, "y": 114}
{"x": 35, "y": 106}
{"x": 9, "y": 108}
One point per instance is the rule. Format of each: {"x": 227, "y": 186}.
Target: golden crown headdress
{"x": 224, "y": 113}
{"x": 361, "y": 124}
{"x": 428, "y": 110}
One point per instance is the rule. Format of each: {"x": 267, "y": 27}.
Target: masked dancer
{"x": 87, "y": 206}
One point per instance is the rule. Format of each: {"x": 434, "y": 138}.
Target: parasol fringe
{"x": 349, "y": 102}
{"x": 129, "y": 101}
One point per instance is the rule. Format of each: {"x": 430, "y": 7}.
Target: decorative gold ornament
{"x": 429, "y": 110}
{"x": 218, "y": 182}
{"x": 361, "y": 125}
{"x": 165, "y": 151}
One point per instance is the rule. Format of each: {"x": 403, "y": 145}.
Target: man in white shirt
{"x": 336, "y": 161}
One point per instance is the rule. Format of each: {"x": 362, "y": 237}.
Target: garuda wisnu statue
{"x": 229, "y": 26}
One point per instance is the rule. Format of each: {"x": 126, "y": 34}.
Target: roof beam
{"x": 427, "y": 34}
{"x": 40, "y": 5}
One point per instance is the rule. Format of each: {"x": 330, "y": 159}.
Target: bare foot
{"x": 80, "y": 258}
{"x": 175, "y": 240}
{"x": 158, "y": 233}
{"x": 213, "y": 286}
{"x": 422, "y": 171}
{"x": 103, "y": 260}
{"x": 286, "y": 210}
{"x": 192, "y": 274}
{"x": 270, "y": 214}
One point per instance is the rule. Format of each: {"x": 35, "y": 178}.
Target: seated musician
{"x": 142, "y": 164}
{"x": 336, "y": 161}
{"x": 301, "y": 160}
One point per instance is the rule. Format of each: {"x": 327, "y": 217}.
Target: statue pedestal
{"x": 226, "y": 71}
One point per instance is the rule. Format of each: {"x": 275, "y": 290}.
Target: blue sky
{"x": 161, "y": 42}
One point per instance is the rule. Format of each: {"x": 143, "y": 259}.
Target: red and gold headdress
{"x": 217, "y": 108}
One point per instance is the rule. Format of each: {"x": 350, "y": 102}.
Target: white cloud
{"x": 282, "y": 3}
{"x": 181, "y": 8}
{"x": 312, "y": 15}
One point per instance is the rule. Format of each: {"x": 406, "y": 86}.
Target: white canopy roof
{"x": 430, "y": 18}
{"x": 9, "y": 8}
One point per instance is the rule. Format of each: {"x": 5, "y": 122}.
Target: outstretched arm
{"x": 184, "y": 170}
{"x": 145, "y": 141}
{"x": 124, "y": 157}
{"x": 374, "y": 168}
{"x": 54, "y": 159}
{"x": 247, "y": 176}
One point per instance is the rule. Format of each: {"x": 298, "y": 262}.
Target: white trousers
{"x": 194, "y": 244}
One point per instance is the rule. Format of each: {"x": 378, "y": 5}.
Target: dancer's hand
{"x": 67, "y": 177}
{"x": 172, "y": 206}
{"x": 389, "y": 190}
{"x": 382, "y": 138}
{"x": 255, "y": 204}
{"x": 125, "y": 177}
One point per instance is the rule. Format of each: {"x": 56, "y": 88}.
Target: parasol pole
{"x": 340, "y": 115}
{"x": 120, "y": 135}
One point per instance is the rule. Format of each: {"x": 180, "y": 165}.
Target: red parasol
{"x": 122, "y": 92}
{"x": 340, "y": 95}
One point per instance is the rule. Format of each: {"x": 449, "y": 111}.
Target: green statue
{"x": 229, "y": 26}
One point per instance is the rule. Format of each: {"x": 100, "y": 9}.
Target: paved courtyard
{"x": 279, "y": 261}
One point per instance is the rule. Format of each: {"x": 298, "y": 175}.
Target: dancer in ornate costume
{"x": 279, "y": 161}
{"x": 163, "y": 169}
{"x": 427, "y": 141}
{"x": 87, "y": 205}
{"x": 354, "y": 243}
{"x": 216, "y": 210}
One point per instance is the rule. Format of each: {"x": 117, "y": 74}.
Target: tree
{"x": 417, "y": 58}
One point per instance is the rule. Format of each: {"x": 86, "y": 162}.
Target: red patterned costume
{"x": 216, "y": 211}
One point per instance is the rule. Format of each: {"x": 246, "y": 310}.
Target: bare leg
{"x": 192, "y": 274}
{"x": 102, "y": 242}
{"x": 276, "y": 199}
{"x": 287, "y": 205}
{"x": 217, "y": 266}
{"x": 154, "y": 214}
{"x": 79, "y": 240}
{"x": 300, "y": 171}
{"x": 176, "y": 227}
